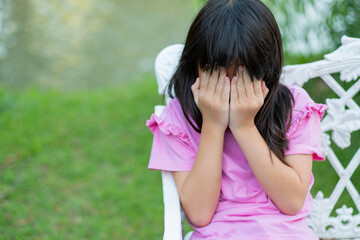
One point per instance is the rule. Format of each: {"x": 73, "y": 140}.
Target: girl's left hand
{"x": 246, "y": 99}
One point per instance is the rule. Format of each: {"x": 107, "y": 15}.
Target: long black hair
{"x": 240, "y": 32}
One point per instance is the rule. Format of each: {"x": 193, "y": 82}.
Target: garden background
{"x": 76, "y": 87}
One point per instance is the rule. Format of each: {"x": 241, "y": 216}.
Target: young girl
{"x": 239, "y": 144}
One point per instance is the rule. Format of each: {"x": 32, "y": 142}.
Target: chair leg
{"x": 188, "y": 235}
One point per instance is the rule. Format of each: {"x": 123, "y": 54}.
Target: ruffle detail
{"x": 309, "y": 110}
{"x": 167, "y": 128}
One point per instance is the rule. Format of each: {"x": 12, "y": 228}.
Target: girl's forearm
{"x": 199, "y": 194}
{"x": 282, "y": 183}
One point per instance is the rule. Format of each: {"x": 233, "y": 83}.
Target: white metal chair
{"x": 342, "y": 118}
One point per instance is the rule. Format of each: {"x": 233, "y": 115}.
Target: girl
{"x": 239, "y": 143}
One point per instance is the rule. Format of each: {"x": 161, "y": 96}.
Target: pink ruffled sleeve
{"x": 171, "y": 148}
{"x": 305, "y": 131}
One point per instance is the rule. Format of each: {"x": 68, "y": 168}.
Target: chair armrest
{"x": 172, "y": 209}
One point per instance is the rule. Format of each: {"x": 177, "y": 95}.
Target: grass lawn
{"x": 74, "y": 164}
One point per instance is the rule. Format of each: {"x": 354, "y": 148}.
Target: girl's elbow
{"x": 291, "y": 211}
{"x": 294, "y": 208}
{"x": 200, "y": 221}
{"x": 199, "y": 214}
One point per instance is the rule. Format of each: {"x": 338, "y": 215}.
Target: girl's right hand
{"x": 211, "y": 94}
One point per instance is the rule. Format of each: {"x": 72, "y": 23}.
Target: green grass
{"x": 74, "y": 164}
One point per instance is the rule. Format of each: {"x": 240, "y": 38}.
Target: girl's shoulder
{"x": 304, "y": 107}
{"x": 173, "y": 113}
{"x": 171, "y": 120}
{"x": 301, "y": 97}
{"x": 302, "y": 100}
{"x": 173, "y": 146}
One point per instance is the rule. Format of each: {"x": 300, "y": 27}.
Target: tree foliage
{"x": 344, "y": 20}
{"x": 326, "y": 20}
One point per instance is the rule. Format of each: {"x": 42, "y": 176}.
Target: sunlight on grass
{"x": 74, "y": 165}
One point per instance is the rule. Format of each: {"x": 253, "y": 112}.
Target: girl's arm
{"x": 287, "y": 186}
{"x": 199, "y": 189}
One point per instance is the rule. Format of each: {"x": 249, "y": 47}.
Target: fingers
{"x": 264, "y": 89}
{"x": 234, "y": 96}
{"x": 258, "y": 88}
{"x": 220, "y": 82}
{"x": 204, "y": 81}
{"x": 240, "y": 85}
{"x": 195, "y": 90}
{"x": 225, "y": 95}
{"x": 220, "y": 86}
{"x": 249, "y": 85}
{"x": 213, "y": 80}
{"x": 212, "y": 87}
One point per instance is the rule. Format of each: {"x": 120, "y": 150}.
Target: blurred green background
{"x": 76, "y": 87}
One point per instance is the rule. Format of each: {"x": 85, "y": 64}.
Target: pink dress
{"x": 244, "y": 210}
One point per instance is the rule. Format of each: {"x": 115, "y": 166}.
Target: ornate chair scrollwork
{"x": 342, "y": 118}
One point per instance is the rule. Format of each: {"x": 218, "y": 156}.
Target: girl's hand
{"x": 246, "y": 99}
{"x": 211, "y": 94}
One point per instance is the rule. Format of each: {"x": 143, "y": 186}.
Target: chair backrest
{"x": 165, "y": 65}
{"x": 342, "y": 118}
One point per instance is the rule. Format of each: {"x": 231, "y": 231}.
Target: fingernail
{"x": 241, "y": 68}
